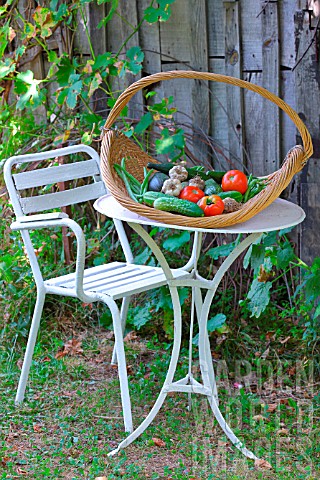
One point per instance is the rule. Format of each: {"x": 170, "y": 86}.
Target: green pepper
{"x": 211, "y": 187}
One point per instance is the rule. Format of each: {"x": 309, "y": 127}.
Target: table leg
{"x": 206, "y": 365}
{"x": 176, "y": 342}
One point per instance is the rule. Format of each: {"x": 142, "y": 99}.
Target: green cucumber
{"x": 192, "y": 171}
{"x": 176, "y": 205}
{"x": 150, "y": 197}
{"x": 212, "y": 187}
{"x": 232, "y": 194}
{"x": 161, "y": 167}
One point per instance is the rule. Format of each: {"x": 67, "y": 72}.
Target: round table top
{"x": 279, "y": 215}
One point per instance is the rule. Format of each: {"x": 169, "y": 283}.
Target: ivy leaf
{"x": 145, "y": 122}
{"x": 162, "y": 13}
{"x": 135, "y": 56}
{"x": 66, "y": 68}
{"x": 259, "y": 296}
{"x": 216, "y": 322}
{"x": 285, "y": 256}
{"x": 221, "y": 251}
{"x": 70, "y": 93}
{"x": 169, "y": 144}
{"x": 257, "y": 257}
{"x": 27, "y": 87}
{"x": 141, "y": 316}
{"x": 44, "y": 20}
{"x": 94, "y": 84}
{"x": 74, "y": 90}
{"x": 6, "y": 67}
{"x": 174, "y": 242}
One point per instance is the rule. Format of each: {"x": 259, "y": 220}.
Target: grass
{"x": 72, "y": 416}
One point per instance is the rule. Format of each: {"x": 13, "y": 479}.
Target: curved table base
{"x": 189, "y": 384}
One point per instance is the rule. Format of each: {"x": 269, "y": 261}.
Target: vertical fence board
{"x": 215, "y": 28}
{"x": 308, "y": 106}
{"x": 118, "y": 31}
{"x": 254, "y": 121}
{"x": 175, "y": 34}
{"x": 270, "y": 79}
{"x": 219, "y": 117}
{"x": 233, "y": 67}
{"x": 251, "y": 35}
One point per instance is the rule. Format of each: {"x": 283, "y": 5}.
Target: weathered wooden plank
{"x": 81, "y": 42}
{"x": 254, "y": 121}
{"x": 119, "y": 29}
{"x": 233, "y": 66}
{"x": 270, "y": 81}
{"x": 219, "y": 119}
{"x": 251, "y": 34}
{"x": 149, "y": 37}
{"x": 189, "y": 17}
{"x": 308, "y": 106}
{"x": 287, "y": 127}
{"x": 215, "y": 26}
{"x": 287, "y": 9}
{"x": 199, "y": 92}
{"x": 175, "y": 33}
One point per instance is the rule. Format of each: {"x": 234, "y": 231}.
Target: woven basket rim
{"x": 115, "y": 143}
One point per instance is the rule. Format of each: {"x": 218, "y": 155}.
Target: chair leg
{"x": 30, "y": 346}
{"x": 123, "y": 315}
{"x": 121, "y": 360}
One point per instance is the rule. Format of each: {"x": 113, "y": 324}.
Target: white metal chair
{"x": 106, "y": 283}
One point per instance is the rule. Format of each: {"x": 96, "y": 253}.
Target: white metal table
{"x": 279, "y": 215}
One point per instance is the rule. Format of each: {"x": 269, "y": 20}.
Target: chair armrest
{"x": 38, "y": 221}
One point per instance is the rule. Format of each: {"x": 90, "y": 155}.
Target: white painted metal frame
{"x": 105, "y": 283}
{"x": 281, "y": 214}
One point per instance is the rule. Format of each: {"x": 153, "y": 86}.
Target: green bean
{"x": 126, "y": 182}
{"x": 145, "y": 182}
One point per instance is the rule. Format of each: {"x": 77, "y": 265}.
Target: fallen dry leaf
{"x": 21, "y": 471}
{"x": 272, "y": 407}
{"x": 283, "y": 431}
{"x": 71, "y": 347}
{"x": 4, "y": 461}
{"x": 257, "y": 418}
{"x": 37, "y": 428}
{"x": 262, "y": 464}
{"x": 20, "y": 363}
{"x": 285, "y": 340}
{"x": 158, "y": 442}
{"x": 130, "y": 337}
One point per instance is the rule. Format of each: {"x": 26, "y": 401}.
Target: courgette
{"x": 211, "y": 187}
{"x": 161, "y": 167}
{"x": 176, "y": 205}
{"x": 150, "y": 197}
{"x": 192, "y": 171}
{"x": 232, "y": 194}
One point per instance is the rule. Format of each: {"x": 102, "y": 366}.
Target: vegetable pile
{"x": 192, "y": 191}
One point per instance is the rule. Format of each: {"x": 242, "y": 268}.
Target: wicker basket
{"x": 115, "y": 146}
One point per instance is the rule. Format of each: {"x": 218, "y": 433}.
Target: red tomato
{"x": 191, "y": 193}
{"x": 234, "y": 180}
{"x": 211, "y": 205}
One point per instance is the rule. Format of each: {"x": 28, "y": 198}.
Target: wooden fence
{"x": 269, "y": 43}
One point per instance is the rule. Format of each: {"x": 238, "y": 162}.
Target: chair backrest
{"x": 28, "y": 182}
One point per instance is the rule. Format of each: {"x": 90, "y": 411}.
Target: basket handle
{"x": 157, "y": 77}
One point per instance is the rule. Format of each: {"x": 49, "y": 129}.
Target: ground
{"x": 72, "y": 418}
